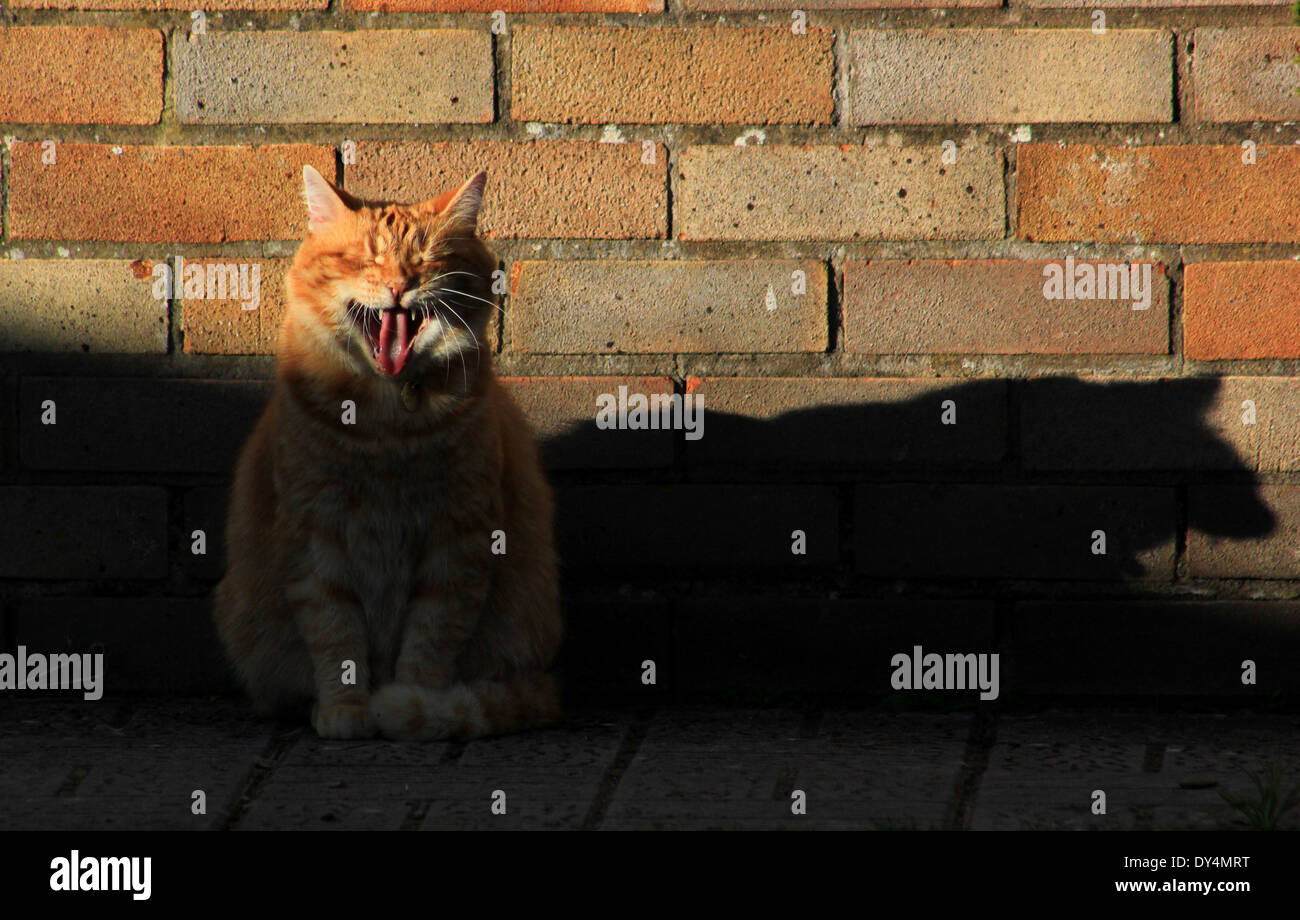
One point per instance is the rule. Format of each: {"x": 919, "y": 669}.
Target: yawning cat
{"x": 390, "y": 528}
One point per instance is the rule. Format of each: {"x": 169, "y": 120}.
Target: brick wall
{"x": 831, "y": 222}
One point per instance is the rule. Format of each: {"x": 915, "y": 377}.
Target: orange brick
{"x": 1241, "y": 310}
{"x": 539, "y": 189}
{"x": 1183, "y": 194}
{"x": 74, "y": 75}
{"x": 674, "y": 75}
{"x": 161, "y": 194}
{"x": 222, "y": 326}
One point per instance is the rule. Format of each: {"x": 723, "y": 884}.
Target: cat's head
{"x": 389, "y": 289}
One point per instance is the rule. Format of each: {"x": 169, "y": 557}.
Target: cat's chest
{"x": 388, "y": 523}
{"x": 378, "y": 520}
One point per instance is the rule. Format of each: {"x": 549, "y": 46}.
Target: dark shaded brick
{"x": 1244, "y": 531}
{"x": 204, "y": 509}
{"x": 83, "y": 532}
{"x": 164, "y": 645}
{"x": 648, "y": 528}
{"x": 754, "y": 422}
{"x": 1176, "y": 424}
{"x": 991, "y": 531}
{"x": 1184, "y": 648}
{"x": 138, "y": 424}
{"x": 562, "y": 411}
{"x": 737, "y": 651}
{"x": 605, "y": 643}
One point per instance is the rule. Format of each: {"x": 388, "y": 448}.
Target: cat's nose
{"x": 398, "y": 288}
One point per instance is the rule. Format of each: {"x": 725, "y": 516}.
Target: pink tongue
{"x": 393, "y": 323}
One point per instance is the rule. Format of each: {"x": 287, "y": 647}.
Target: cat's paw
{"x": 343, "y": 721}
{"x": 396, "y": 711}
{"x": 407, "y": 712}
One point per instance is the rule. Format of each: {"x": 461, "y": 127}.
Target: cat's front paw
{"x": 343, "y": 721}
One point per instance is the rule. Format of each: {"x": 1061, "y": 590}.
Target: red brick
{"x": 671, "y": 75}
{"x": 1241, "y": 310}
{"x": 660, "y": 307}
{"x": 1246, "y": 74}
{"x": 1175, "y": 194}
{"x": 534, "y": 189}
{"x": 562, "y": 411}
{"x": 992, "y": 306}
{"x": 223, "y": 326}
{"x": 161, "y": 194}
{"x": 838, "y": 193}
{"x": 75, "y": 75}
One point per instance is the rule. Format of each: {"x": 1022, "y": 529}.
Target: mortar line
{"x": 975, "y": 761}
{"x": 628, "y": 747}
{"x": 1181, "y": 59}
{"x": 259, "y": 775}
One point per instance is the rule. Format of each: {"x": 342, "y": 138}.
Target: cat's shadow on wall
{"x": 914, "y": 531}
{"x": 907, "y": 520}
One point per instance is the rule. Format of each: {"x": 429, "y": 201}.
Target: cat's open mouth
{"x": 388, "y": 335}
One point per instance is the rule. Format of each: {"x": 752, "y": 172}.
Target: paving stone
{"x": 549, "y": 777}
{"x": 102, "y": 768}
{"x": 133, "y": 765}
{"x": 1156, "y": 771}
{"x": 726, "y": 769}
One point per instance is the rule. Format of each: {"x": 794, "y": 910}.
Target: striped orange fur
{"x": 373, "y": 500}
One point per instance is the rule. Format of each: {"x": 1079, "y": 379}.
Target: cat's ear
{"x": 325, "y": 203}
{"x": 461, "y": 207}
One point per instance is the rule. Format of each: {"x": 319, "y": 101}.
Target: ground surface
{"x": 137, "y": 764}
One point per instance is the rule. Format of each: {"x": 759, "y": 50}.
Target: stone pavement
{"x": 137, "y": 764}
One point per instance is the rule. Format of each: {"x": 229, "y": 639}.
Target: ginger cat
{"x": 385, "y": 471}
